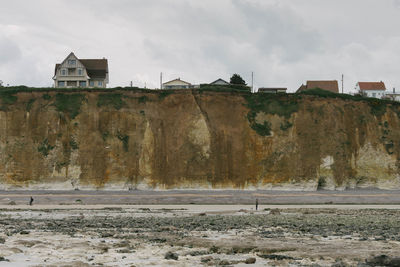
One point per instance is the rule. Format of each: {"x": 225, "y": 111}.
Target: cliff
{"x": 196, "y": 139}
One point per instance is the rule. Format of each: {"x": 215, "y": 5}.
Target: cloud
{"x": 284, "y": 42}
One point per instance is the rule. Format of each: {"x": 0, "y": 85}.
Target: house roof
{"x": 96, "y": 68}
{"x": 178, "y": 79}
{"x": 331, "y": 86}
{"x": 219, "y": 80}
{"x": 365, "y": 86}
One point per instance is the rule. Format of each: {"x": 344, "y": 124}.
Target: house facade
{"x": 87, "y": 73}
{"x": 177, "y": 84}
{"x": 372, "y": 89}
{"x": 331, "y": 86}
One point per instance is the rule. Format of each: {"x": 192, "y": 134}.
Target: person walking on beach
{"x": 256, "y": 203}
{"x": 31, "y": 201}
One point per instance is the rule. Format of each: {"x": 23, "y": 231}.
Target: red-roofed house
{"x": 372, "y": 89}
{"x": 331, "y": 86}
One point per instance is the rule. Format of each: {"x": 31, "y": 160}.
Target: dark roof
{"x": 219, "y": 80}
{"x": 372, "y": 86}
{"x": 331, "y": 86}
{"x": 96, "y": 68}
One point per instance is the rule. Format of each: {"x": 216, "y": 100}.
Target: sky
{"x": 284, "y": 42}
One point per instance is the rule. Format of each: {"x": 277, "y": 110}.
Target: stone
{"x": 250, "y": 261}
{"x": 171, "y": 256}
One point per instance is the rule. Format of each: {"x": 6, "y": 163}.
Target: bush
{"x": 69, "y": 103}
{"x": 45, "y": 147}
{"x": 113, "y": 100}
{"x": 30, "y": 104}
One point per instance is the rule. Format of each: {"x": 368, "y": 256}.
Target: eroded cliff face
{"x": 197, "y": 140}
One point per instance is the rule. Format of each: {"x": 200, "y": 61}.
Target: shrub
{"x": 46, "y": 97}
{"x": 69, "y": 103}
{"x": 45, "y": 147}
{"x": 286, "y": 125}
{"x": 113, "y": 100}
{"x": 30, "y": 104}
{"x": 164, "y": 93}
{"x": 124, "y": 139}
{"x": 143, "y": 99}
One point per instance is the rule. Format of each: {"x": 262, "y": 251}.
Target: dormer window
{"x": 71, "y": 62}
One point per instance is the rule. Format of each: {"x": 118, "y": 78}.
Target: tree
{"x": 236, "y": 79}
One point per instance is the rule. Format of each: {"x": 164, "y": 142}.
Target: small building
{"x": 393, "y": 96}
{"x": 74, "y": 72}
{"x": 177, "y": 84}
{"x": 220, "y": 82}
{"x": 331, "y": 86}
{"x": 372, "y": 89}
{"x": 272, "y": 90}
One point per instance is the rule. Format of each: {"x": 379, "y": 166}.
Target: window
{"x": 100, "y": 83}
{"x": 63, "y": 72}
{"x": 71, "y": 62}
{"x": 82, "y": 84}
{"x": 91, "y": 83}
{"x": 80, "y": 72}
{"x": 373, "y": 94}
{"x": 71, "y": 71}
{"x": 61, "y": 83}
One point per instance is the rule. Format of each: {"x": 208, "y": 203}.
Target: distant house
{"x": 393, "y": 96}
{"x": 331, "y": 86}
{"x": 176, "y": 84}
{"x": 220, "y": 82}
{"x": 372, "y": 89}
{"x": 272, "y": 90}
{"x": 74, "y": 72}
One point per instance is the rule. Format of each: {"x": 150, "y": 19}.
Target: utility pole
{"x": 161, "y": 80}
{"x": 342, "y": 83}
{"x": 252, "y": 82}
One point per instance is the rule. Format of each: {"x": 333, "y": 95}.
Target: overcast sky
{"x": 285, "y": 42}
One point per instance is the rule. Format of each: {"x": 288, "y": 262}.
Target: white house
{"x": 74, "y": 72}
{"x": 372, "y": 89}
{"x": 393, "y": 96}
{"x": 220, "y": 82}
{"x": 176, "y": 84}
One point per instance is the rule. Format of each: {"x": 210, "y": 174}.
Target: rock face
{"x": 195, "y": 139}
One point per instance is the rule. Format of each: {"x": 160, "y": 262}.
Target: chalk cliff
{"x": 195, "y": 139}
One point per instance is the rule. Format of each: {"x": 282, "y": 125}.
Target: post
{"x": 342, "y": 83}
{"x": 252, "y": 82}
{"x": 161, "y": 81}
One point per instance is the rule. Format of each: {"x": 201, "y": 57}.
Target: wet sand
{"x": 199, "y": 228}
{"x": 198, "y": 235}
{"x": 137, "y": 197}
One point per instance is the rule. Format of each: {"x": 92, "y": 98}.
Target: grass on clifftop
{"x": 378, "y": 106}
